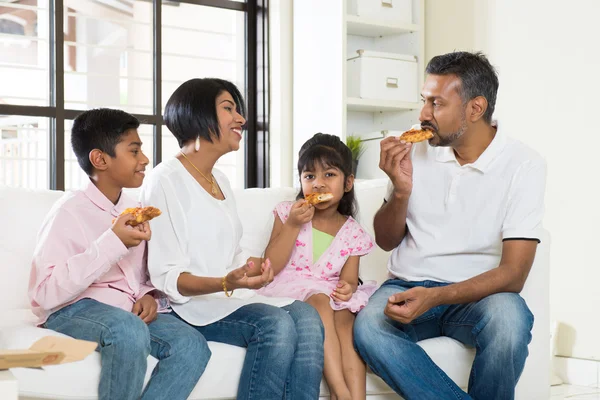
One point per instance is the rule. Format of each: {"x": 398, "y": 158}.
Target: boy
{"x": 89, "y": 278}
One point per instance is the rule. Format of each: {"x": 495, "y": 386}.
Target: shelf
{"x": 368, "y": 105}
{"x": 373, "y": 28}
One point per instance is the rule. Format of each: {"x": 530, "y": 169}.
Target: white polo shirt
{"x": 458, "y": 216}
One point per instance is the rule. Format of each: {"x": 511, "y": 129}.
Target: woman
{"x": 194, "y": 256}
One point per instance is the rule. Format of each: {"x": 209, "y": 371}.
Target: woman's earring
{"x": 197, "y": 145}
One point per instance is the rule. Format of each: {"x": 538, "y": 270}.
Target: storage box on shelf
{"x": 385, "y": 10}
{"x": 382, "y": 76}
{"x": 326, "y": 35}
{"x": 383, "y": 83}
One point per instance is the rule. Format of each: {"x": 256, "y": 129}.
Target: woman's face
{"x": 230, "y": 122}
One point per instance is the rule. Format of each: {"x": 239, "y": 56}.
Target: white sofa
{"x": 21, "y": 212}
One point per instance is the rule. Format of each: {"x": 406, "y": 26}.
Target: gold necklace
{"x": 213, "y": 183}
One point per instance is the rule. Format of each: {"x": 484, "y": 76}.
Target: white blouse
{"x": 197, "y": 234}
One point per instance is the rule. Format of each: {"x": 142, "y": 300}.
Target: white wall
{"x": 281, "y": 79}
{"x": 319, "y": 104}
{"x": 546, "y": 52}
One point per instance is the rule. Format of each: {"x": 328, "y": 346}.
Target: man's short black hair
{"x": 101, "y": 129}
{"x": 478, "y": 77}
{"x": 191, "y": 110}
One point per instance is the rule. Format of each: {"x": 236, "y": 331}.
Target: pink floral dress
{"x": 303, "y": 277}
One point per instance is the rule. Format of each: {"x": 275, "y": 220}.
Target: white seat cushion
{"x": 79, "y": 380}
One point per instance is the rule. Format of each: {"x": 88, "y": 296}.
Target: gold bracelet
{"x": 228, "y": 294}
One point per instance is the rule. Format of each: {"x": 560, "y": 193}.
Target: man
{"x": 463, "y": 217}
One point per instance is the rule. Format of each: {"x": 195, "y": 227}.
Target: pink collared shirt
{"x": 79, "y": 256}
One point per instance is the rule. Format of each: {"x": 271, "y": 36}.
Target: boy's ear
{"x": 349, "y": 183}
{"x": 98, "y": 159}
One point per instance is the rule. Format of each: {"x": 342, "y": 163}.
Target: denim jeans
{"x": 498, "y": 327}
{"x": 125, "y": 341}
{"x": 284, "y": 357}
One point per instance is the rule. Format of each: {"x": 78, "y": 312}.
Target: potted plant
{"x": 357, "y": 147}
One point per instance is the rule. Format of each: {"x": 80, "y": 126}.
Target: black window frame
{"x": 257, "y": 133}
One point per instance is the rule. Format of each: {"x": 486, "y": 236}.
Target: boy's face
{"x": 127, "y": 168}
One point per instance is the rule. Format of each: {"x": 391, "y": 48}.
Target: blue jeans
{"x": 125, "y": 341}
{"x": 284, "y": 357}
{"x": 498, "y": 327}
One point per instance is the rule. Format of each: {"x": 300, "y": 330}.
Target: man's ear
{"x": 349, "y": 183}
{"x": 98, "y": 159}
{"x": 478, "y": 107}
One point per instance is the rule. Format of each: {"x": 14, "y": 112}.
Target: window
{"x": 23, "y": 151}
{"x": 59, "y": 58}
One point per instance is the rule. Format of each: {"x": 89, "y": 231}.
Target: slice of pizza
{"x": 316, "y": 198}
{"x": 141, "y": 214}
{"x": 416, "y": 135}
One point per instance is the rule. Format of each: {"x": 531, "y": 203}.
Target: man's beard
{"x": 449, "y": 139}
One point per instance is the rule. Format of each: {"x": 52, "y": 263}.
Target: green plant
{"x": 356, "y": 146}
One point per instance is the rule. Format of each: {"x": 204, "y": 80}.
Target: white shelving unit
{"x": 369, "y": 27}
{"x": 368, "y": 105}
{"x": 325, "y": 36}
{"x": 366, "y": 117}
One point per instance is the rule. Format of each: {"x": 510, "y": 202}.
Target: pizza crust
{"x": 141, "y": 214}
{"x": 416, "y": 135}
{"x": 316, "y": 198}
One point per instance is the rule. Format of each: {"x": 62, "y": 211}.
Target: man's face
{"x": 443, "y": 110}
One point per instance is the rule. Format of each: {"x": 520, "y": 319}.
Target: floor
{"x": 574, "y": 392}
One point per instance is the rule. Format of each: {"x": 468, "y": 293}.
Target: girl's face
{"x": 230, "y": 122}
{"x": 324, "y": 179}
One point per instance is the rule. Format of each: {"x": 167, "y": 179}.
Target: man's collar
{"x": 446, "y": 154}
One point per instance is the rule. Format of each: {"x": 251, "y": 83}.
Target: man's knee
{"x": 507, "y": 320}
{"x": 368, "y": 325}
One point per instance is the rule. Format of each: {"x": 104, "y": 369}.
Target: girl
{"x": 314, "y": 253}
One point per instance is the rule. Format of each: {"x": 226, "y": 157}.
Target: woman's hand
{"x": 256, "y": 266}
{"x": 300, "y": 214}
{"x": 239, "y": 278}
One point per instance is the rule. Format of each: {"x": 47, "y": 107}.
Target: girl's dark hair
{"x": 191, "y": 109}
{"x": 328, "y": 151}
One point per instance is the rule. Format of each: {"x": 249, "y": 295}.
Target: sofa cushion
{"x": 79, "y": 380}
{"x": 21, "y": 212}
{"x": 255, "y": 208}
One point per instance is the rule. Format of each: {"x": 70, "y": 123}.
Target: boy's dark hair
{"x": 478, "y": 77}
{"x": 191, "y": 109}
{"x": 102, "y": 129}
{"x": 328, "y": 151}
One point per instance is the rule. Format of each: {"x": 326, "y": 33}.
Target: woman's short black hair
{"x": 191, "y": 110}
{"x": 102, "y": 129}
{"x": 329, "y": 152}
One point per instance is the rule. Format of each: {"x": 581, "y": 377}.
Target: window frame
{"x": 256, "y": 30}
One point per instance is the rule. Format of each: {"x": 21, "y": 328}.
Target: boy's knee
{"x": 129, "y": 332}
